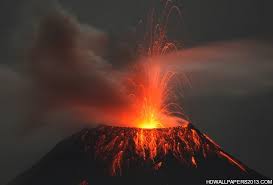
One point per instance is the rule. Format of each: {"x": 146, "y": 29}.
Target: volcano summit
{"x": 120, "y": 155}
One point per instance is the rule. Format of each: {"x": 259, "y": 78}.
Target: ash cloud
{"x": 68, "y": 68}
{"x": 58, "y": 72}
{"x": 235, "y": 68}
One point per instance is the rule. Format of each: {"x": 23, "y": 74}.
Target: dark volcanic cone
{"x": 115, "y": 155}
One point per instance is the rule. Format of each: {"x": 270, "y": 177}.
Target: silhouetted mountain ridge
{"x": 89, "y": 154}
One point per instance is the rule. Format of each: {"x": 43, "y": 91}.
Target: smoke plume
{"x": 68, "y": 69}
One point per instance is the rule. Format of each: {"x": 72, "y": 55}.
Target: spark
{"x": 151, "y": 85}
{"x": 157, "y": 126}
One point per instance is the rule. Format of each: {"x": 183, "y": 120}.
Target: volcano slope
{"x": 117, "y": 155}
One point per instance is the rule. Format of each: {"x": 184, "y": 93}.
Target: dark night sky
{"x": 241, "y": 124}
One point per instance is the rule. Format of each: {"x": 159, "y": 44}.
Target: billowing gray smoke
{"x": 68, "y": 69}
{"x": 59, "y": 73}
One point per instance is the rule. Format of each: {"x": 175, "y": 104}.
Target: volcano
{"x": 122, "y": 155}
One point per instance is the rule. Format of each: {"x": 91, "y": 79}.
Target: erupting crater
{"x": 126, "y": 150}
{"x": 159, "y": 146}
{"x": 124, "y": 155}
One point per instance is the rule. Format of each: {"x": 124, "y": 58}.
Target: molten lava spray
{"x": 153, "y": 107}
{"x": 152, "y": 97}
{"x": 150, "y": 134}
{"x": 157, "y": 127}
{"x": 150, "y": 86}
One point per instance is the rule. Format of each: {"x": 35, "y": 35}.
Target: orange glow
{"x": 193, "y": 161}
{"x": 231, "y": 160}
{"x": 121, "y": 147}
{"x": 152, "y": 97}
{"x": 146, "y": 90}
{"x": 225, "y": 155}
{"x": 151, "y": 145}
{"x": 150, "y": 85}
{"x": 157, "y": 125}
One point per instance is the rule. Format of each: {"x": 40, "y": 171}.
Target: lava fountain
{"x": 155, "y": 125}
{"x": 149, "y": 88}
{"x": 151, "y": 137}
{"x": 152, "y": 97}
{"x": 150, "y": 85}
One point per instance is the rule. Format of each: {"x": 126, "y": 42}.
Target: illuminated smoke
{"x": 69, "y": 70}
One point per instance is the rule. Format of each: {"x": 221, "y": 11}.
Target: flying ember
{"x": 151, "y": 85}
{"x": 152, "y": 98}
{"x": 150, "y": 88}
{"x": 153, "y": 107}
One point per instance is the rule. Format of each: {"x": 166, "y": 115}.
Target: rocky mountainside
{"x": 115, "y": 155}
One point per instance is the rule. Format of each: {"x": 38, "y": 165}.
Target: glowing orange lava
{"x": 157, "y": 126}
{"x": 152, "y": 98}
{"x": 122, "y": 148}
{"x": 151, "y": 85}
